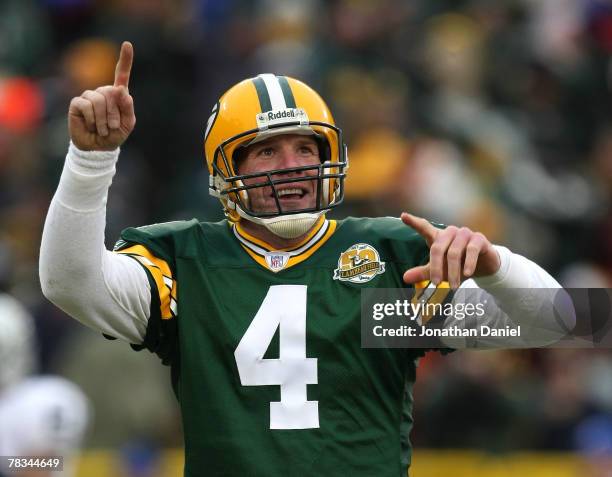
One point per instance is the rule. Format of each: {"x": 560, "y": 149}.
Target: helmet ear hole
{"x": 324, "y": 148}
{"x": 239, "y": 154}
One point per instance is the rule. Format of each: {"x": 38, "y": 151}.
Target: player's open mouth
{"x": 290, "y": 193}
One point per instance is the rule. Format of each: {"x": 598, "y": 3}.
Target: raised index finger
{"x": 124, "y": 65}
{"x": 422, "y": 226}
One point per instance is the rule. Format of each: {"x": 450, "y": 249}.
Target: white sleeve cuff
{"x": 505, "y": 276}
{"x": 91, "y": 162}
{"x": 86, "y": 178}
{"x": 516, "y": 271}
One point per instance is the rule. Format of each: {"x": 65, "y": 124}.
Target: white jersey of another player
{"x": 39, "y": 416}
{"x": 43, "y": 416}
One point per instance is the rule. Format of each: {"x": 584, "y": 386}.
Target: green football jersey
{"x": 265, "y": 346}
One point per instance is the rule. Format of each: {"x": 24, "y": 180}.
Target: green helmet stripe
{"x": 262, "y": 94}
{"x": 287, "y": 93}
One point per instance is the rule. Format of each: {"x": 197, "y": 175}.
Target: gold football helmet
{"x": 258, "y": 108}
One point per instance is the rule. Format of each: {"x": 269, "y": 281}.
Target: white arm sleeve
{"x": 106, "y": 291}
{"x": 519, "y": 293}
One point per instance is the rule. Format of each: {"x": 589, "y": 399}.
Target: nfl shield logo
{"x": 276, "y": 260}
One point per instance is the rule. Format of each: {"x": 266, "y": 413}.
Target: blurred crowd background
{"x": 490, "y": 114}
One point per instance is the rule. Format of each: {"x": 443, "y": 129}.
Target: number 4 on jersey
{"x": 284, "y": 306}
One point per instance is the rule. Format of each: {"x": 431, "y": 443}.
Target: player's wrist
{"x": 502, "y": 275}
{"x": 91, "y": 162}
{"x": 86, "y": 178}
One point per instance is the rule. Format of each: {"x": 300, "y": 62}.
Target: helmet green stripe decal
{"x": 262, "y": 94}
{"x": 287, "y": 93}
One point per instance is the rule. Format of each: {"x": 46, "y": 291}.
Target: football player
{"x": 259, "y": 315}
{"x": 41, "y": 417}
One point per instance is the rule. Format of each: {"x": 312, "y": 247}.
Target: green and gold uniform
{"x": 265, "y": 346}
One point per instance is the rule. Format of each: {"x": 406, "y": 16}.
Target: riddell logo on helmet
{"x": 266, "y": 119}
{"x": 287, "y": 113}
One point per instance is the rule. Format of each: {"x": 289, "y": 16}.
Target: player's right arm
{"x": 106, "y": 291}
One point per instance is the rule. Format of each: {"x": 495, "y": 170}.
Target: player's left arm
{"x": 523, "y": 292}
{"x": 457, "y": 254}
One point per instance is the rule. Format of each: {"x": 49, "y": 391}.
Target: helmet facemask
{"x": 233, "y": 189}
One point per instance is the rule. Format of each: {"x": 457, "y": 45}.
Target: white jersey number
{"x": 284, "y": 306}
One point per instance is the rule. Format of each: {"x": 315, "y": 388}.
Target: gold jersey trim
{"x": 427, "y": 292}
{"x": 258, "y": 249}
{"x": 162, "y": 275}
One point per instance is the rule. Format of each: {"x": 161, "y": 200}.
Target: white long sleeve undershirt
{"x": 111, "y": 293}
{"x": 106, "y": 291}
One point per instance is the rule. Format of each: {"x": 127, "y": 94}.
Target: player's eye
{"x": 266, "y": 152}
{"x": 308, "y": 150}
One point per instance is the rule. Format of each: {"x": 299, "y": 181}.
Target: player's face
{"x": 281, "y": 152}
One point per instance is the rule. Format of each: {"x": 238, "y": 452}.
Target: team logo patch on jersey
{"x": 359, "y": 264}
{"x": 277, "y": 260}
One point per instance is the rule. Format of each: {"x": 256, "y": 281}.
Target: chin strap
{"x": 285, "y": 226}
